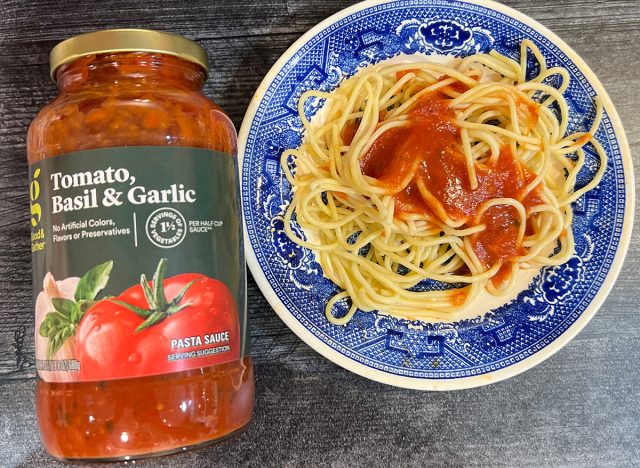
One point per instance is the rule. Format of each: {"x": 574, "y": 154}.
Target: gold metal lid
{"x": 126, "y": 40}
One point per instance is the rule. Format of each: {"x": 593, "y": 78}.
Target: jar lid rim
{"x": 126, "y": 40}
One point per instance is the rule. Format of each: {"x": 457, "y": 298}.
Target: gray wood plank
{"x": 579, "y": 408}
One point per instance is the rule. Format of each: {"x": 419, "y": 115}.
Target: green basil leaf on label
{"x": 58, "y": 328}
{"x": 93, "y": 281}
{"x": 57, "y": 341}
{"x": 52, "y": 322}
{"x": 65, "y": 307}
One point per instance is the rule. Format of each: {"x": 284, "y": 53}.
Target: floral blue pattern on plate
{"x": 499, "y": 343}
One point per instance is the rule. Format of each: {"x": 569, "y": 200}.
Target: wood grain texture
{"x": 579, "y": 408}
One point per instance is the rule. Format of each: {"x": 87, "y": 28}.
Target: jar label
{"x": 108, "y": 227}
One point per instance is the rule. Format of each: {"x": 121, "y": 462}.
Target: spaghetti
{"x": 462, "y": 175}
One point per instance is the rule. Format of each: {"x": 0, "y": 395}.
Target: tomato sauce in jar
{"x": 120, "y": 89}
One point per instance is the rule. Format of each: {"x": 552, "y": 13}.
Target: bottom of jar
{"x": 146, "y": 416}
{"x": 161, "y": 453}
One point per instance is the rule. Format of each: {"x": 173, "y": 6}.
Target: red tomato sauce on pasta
{"x": 428, "y": 151}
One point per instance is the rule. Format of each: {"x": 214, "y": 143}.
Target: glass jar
{"x": 120, "y": 89}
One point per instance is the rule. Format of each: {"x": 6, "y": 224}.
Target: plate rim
{"x": 461, "y": 382}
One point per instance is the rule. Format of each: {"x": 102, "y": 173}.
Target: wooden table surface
{"x": 579, "y": 408}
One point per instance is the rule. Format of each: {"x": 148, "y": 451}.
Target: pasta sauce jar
{"x": 138, "y": 270}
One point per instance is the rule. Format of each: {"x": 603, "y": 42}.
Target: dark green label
{"x": 108, "y": 222}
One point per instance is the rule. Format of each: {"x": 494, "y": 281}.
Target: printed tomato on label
{"x": 159, "y": 326}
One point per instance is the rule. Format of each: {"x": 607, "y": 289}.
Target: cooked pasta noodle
{"x": 459, "y": 174}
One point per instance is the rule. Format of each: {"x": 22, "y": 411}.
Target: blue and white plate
{"x": 497, "y": 343}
